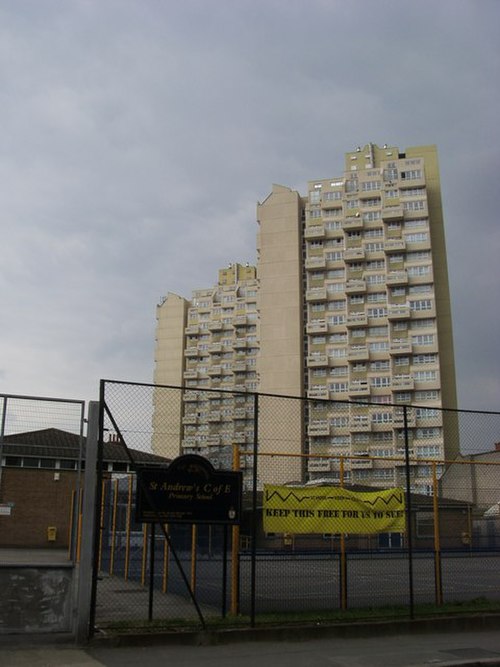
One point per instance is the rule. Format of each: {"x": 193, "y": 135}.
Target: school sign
{"x": 330, "y": 509}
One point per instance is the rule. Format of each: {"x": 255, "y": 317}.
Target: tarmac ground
{"x": 269, "y": 649}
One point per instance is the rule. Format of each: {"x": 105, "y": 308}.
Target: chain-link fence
{"x": 41, "y": 455}
{"x": 345, "y": 506}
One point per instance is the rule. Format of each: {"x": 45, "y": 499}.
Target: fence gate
{"x": 152, "y": 572}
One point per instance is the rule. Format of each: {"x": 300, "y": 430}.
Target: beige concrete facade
{"x": 353, "y": 307}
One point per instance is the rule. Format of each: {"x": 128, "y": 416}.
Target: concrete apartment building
{"x": 349, "y": 307}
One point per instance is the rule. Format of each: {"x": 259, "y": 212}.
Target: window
{"x": 432, "y": 395}
{"x": 402, "y": 361}
{"x": 332, "y": 196}
{"x": 315, "y": 213}
{"x": 427, "y": 323}
{"x": 378, "y": 347}
{"x": 377, "y": 312}
{"x": 411, "y": 174}
{"x": 371, "y": 216}
{"x": 352, "y": 203}
{"x": 374, "y": 247}
{"x": 380, "y": 381}
{"x": 414, "y": 205}
{"x": 427, "y": 433}
{"x": 368, "y": 186}
{"x": 375, "y": 264}
{"x": 337, "y": 304}
{"x": 315, "y": 196}
{"x": 424, "y": 304}
{"x": 413, "y": 192}
{"x": 377, "y": 297}
{"x": 398, "y": 291}
{"x": 425, "y": 376}
{"x": 377, "y": 279}
{"x": 425, "y": 358}
{"x": 338, "y": 387}
{"x": 337, "y": 338}
{"x": 383, "y": 365}
{"x": 427, "y": 413}
{"x": 416, "y": 222}
{"x": 338, "y": 370}
{"x": 419, "y": 270}
{"x": 339, "y": 422}
{"x": 317, "y": 307}
{"x": 337, "y": 352}
{"x": 382, "y": 418}
{"x": 335, "y": 273}
{"x": 315, "y": 244}
{"x": 356, "y": 299}
{"x": 334, "y": 256}
{"x": 392, "y": 194}
{"x": 374, "y": 233}
{"x": 419, "y": 289}
{"x": 335, "y": 287}
{"x": 417, "y": 237}
{"x": 330, "y": 213}
{"x": 335, "y": 320}
{"x": 418, "y": 256}
{"x": 375, "y": 201}
{"x": 318, "y": 340}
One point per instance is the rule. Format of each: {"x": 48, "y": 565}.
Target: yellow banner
{"x": 330, "y": 509}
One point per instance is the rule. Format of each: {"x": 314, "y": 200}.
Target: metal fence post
{"x": 408, "y": 513}
{"x": 255, "y": 518}
{"x": 84, "y": 614}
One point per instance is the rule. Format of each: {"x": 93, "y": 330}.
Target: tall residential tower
{"x": 353, "y": 307}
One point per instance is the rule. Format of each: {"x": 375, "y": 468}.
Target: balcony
{"x": 357, "y": 319}
{"x": 190, "y": 396}
{"x": 239, "y": 367}
{"x": 361, "y": 464}
{"x": 392, "y": 213}
{"x": 240, "y": 437}
{"x": 190, "y": 419}
{"x": 213, "y": 440}
{"x": 358, "y": 353}
{"x": 214, "y": 370}
{"x": 399, "y": 420}
{"x": 192, "y": 329}
{"x": 398, "y": 312}
{"x": 316, "y": 294}
{"x": 353, "y": 223}
{"x": 190, "y": 375}
{"x": 214, "y": 416}
{"x": 191, "y": 352}
{"x": 397, "y": 278}
{"x": 400, "y": 347}
{"x": 315, "y": 263}
{"x": 360, "y": 423}
{"x": 314, "y": 232}
{"x": 395, "y": 245}
{"x": 216, "y": 325}
{"x": 317, "y": 360}
{"x": 240, "y": 321}
{"x": 402, "y": 383}
{"x": 354, "y": 254}
{"x": 317, "y": 326}
{"x": 318, "y": 465}
{"x": 319, "y": 428}
{"x": 215, "y": 348}
{"x": 355, "y": 287}
{"x": 359, "y": 388}
{"x": 240, "y": 343}
{"x": 317, "y": 392}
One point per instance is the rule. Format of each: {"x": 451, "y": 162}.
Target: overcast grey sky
{"x": 138, "y": 135}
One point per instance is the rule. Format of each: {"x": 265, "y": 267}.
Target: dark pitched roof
{"x": 57, "y": 444}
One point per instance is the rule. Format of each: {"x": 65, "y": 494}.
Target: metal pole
{"x": 343, "y": 562}
{"x": 151, "y": 573}
{"x": 235, "y": 549}
{"x": 254, "y": 511}
{"x": 408, "y": 513}
{"x": 437, "y": 543}
{"x": 86, "y": 592}
{"x": 224, "y": 573}
{"x": 2, "y": 433}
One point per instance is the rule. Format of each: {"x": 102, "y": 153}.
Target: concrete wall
{"x": 35, "y": 598}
